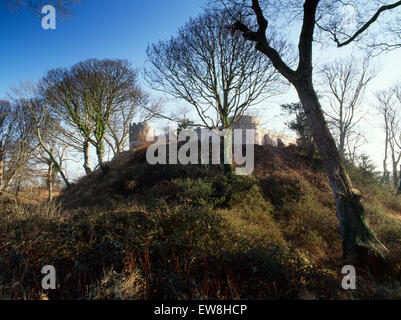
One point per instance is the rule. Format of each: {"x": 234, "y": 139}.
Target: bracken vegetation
{"x": 137, "y": 231}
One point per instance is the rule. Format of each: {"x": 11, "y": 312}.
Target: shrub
{"x": 220, "y": 191}
{"x": 185, "y": 227}
{"x": 196, "y": 192}
{"x": 118, "y": 286}
{"x": 363, "y": 171}
{"x": 285, "y": 188}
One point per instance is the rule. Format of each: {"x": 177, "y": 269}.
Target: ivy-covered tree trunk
{"x": 358, "y": 240}
{"x": 228, "y": 168}
{"x": 226, "y": 147}
{"x": 100, "y": 155}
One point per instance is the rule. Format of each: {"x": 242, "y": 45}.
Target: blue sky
{"x": 123, "y": 29}
{"x": 97, "y": 29}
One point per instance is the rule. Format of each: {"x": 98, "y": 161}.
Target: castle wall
{"x": 279, "y": 140}
{"x": 262, "y": 136}
{"x": 248, "y": 122}
{"x": 140, "y": 132}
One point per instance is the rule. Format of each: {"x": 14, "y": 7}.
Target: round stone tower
{"x": 139, "y": 134}
{"x": 250, "y": 122}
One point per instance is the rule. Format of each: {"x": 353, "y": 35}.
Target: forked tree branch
{"x": 262, "y": 44}
{"x": 367, "y": 24}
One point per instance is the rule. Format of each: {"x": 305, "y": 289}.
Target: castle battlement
{"x": 141, "y": 132}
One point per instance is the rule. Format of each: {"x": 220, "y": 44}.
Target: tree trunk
{"x": 225, "y": 149}
{"x": 341, "y": 147}
{"x": 8, "y": 182}
{"x": 1, "y": 173}
{"x": 18, "y": 189}
{"x": 100, "y": 155}
{"x": 386, "y": 173}
{"x": 395, "y": 173}
{"x": 119, "y": 148}
{"x": 86, "y": 158}
{"x": 399, "y": 187}
{"x": 386, "y": 176}
{"x": 50, "y": 181}
{"x": 358, "y": 240}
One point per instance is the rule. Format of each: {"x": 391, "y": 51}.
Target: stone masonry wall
{"x": 139, "y": 133}
{"x": 261, "y": 136}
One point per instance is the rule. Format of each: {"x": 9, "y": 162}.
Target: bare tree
{"x": 118, "y": 126}
{"x": 359, "y": 242}
{"x": 7, "y": 131}
{"x": 374, "y": 25}
{"x": 353, "y": 142}
{"x": 63, "y": 7}
{"x": 395, "y": 138}
{"x": 52, "y": 159}
{"x": 46, "y": 127}
{"x": 87, "y": 95}
{"x": 22, "y": 145}
{"x": 58, "y": 89}
{"x": 216, "y": 72}
{"x": 344, "y": 84}
{"x": 387, "y": 108}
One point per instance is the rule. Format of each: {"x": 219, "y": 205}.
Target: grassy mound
{"x": 187, "y": 232}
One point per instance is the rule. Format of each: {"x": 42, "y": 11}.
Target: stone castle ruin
{"x": 142, "y": 132}
{"x": 262, "y": 136}
{"x": 139, "y": 134}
